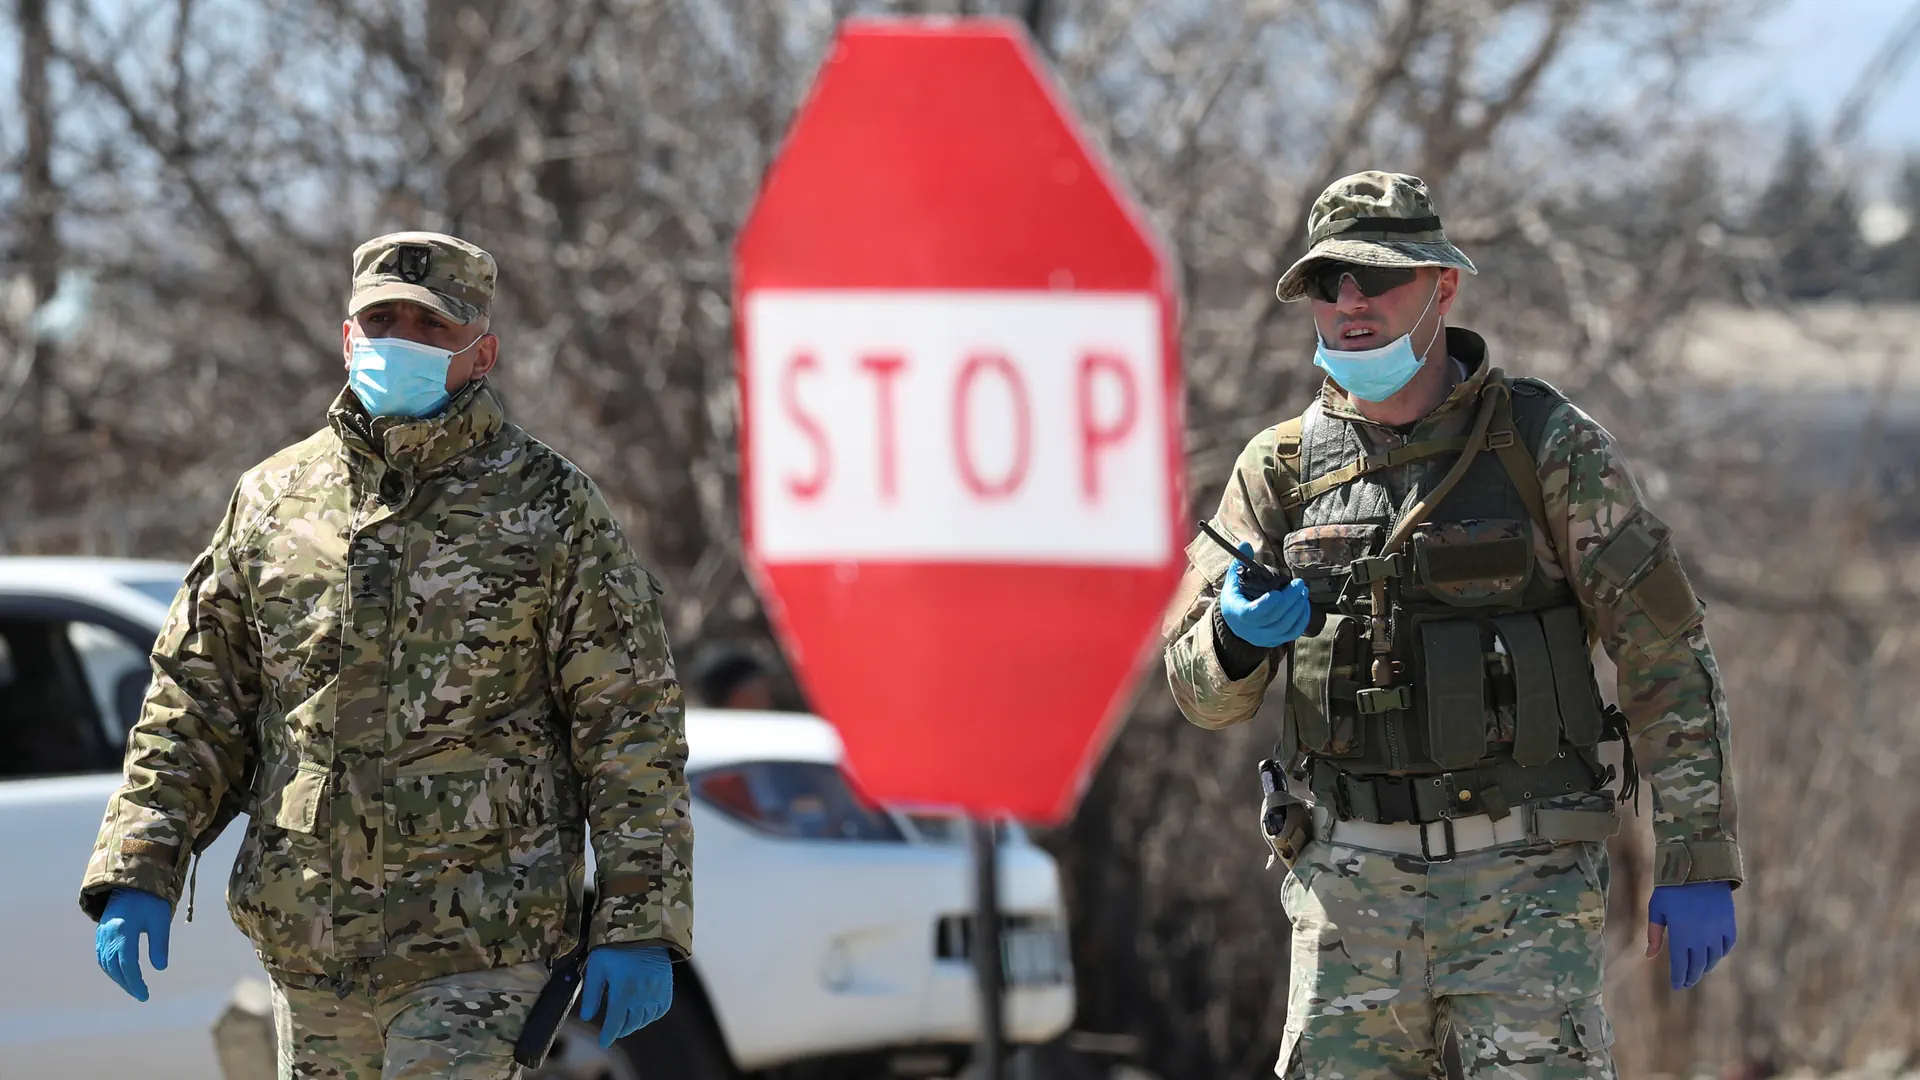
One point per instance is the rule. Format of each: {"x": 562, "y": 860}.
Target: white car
{"x": 828, "y": 935}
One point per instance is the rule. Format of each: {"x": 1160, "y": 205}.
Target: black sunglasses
{"x": 1323, "y": 279}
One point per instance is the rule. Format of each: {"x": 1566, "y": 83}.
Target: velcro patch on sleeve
{"x": 1666, "y": 597}
{"x": 1625, "y": 552}
{"x": 630, "y": 885}
{"x": 135, "y": 848}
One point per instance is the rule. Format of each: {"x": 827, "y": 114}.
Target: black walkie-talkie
{"x": 1256, "y": 580}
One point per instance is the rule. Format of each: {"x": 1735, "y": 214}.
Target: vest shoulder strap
{"x": 1534, "y": 403}
{"x": 1504, "y": 439}
{"x": 1531, "y": 404}
{"x": 1284, "y": 475}
{"x": 1286, "y": 439}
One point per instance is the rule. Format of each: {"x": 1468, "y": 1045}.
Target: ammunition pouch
{"x": 1533, "y": 663}
{"x": 1324, "y": 703}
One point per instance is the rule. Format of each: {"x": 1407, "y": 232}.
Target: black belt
{"x": 1490, "y": 789}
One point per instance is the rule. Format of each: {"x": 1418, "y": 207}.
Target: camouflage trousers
{"x": 457, "y": 1026}
{"x": 1500, "y": 948}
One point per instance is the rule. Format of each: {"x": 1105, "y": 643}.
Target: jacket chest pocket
{"x": 297, "y": 612}
{"x": 474, "y": 625}
{"x": 1323, "y": 556}
{"x": 457, "y": 594}
{"x": 1474, "y": 563}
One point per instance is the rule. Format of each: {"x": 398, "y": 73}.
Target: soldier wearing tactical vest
{"x": 1450, "y": 543}
{"x": 421, "y": 656}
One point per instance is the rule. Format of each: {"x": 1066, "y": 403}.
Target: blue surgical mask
{"x": 397, "y": 377}
{"x": 1375, "y": 374}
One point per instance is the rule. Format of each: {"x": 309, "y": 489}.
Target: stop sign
{"x": 961, "y": 453}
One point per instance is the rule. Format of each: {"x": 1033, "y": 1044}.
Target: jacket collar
{"x": 469, "y": 420}
{"x": 1463, "y": 345}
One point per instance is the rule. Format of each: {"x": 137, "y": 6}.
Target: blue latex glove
{"x": 1268, "y": 621}
{"x": 1696, "y": 922}
{"x": 116, "y": 944}
{"x": 637, "y": 981}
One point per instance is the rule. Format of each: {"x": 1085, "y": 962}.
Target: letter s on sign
{"x": 810, "y": 487}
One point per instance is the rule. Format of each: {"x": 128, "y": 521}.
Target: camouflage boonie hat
{"x": 436, "y": 271}
{"x": 1374, "y": 219}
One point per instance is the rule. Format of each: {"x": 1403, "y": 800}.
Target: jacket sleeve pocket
{"x": 1586, "y": 1032}
{"x": 632, "y": 589}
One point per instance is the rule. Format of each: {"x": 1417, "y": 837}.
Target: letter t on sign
{"x": 884, "y": 369}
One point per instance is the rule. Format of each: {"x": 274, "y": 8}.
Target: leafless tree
{"x": 187, "y": 178}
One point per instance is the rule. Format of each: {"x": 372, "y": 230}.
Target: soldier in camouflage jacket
{"x": 1461, "y": 542}
{"x": 420, "y": 655}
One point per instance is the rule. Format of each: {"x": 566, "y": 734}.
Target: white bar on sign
{"x": 1018, "y": 427}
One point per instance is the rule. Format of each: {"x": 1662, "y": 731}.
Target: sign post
{"x": 988, "y": 965}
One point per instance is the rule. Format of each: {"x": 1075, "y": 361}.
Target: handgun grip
{"x": 550, "y": 1009}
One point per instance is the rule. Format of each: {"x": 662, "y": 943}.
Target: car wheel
{"x": 685, "y": 1044}
{"x": 578, "y": 1055}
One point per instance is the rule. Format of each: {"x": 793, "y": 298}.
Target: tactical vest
{"x": 1443, "y": 674}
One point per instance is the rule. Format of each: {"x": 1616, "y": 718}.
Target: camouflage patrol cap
{"x": 434, "y": 270}
{"x": 1374, "y": 219}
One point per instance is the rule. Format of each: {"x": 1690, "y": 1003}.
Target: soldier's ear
{"x": 346, "y": 344}
{"x": 485, "y": 354}
{"x": 1446, "y": 290}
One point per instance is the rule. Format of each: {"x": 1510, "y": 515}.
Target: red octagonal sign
{"x": 961, "y": 453}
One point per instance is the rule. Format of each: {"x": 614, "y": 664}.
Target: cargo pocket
{"x": 1588, "y": 1035}
{"x": 1596, "y": 866}
{"x": 1475, "y": 563}
{"x": 476, "y": 864}
{"x": 1321, "y": 697}
{"x": 280, "y": 866}
{"x": 1349, "y": 944}
{"x": 290, "y": 797}
{"x": 498, "y": 796}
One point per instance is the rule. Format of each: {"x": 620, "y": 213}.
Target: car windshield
{"x": 161, "y": 589}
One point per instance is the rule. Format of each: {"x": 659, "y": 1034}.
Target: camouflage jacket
{"x": 422, "y": 657}
{"x": 1668, "y": 683}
